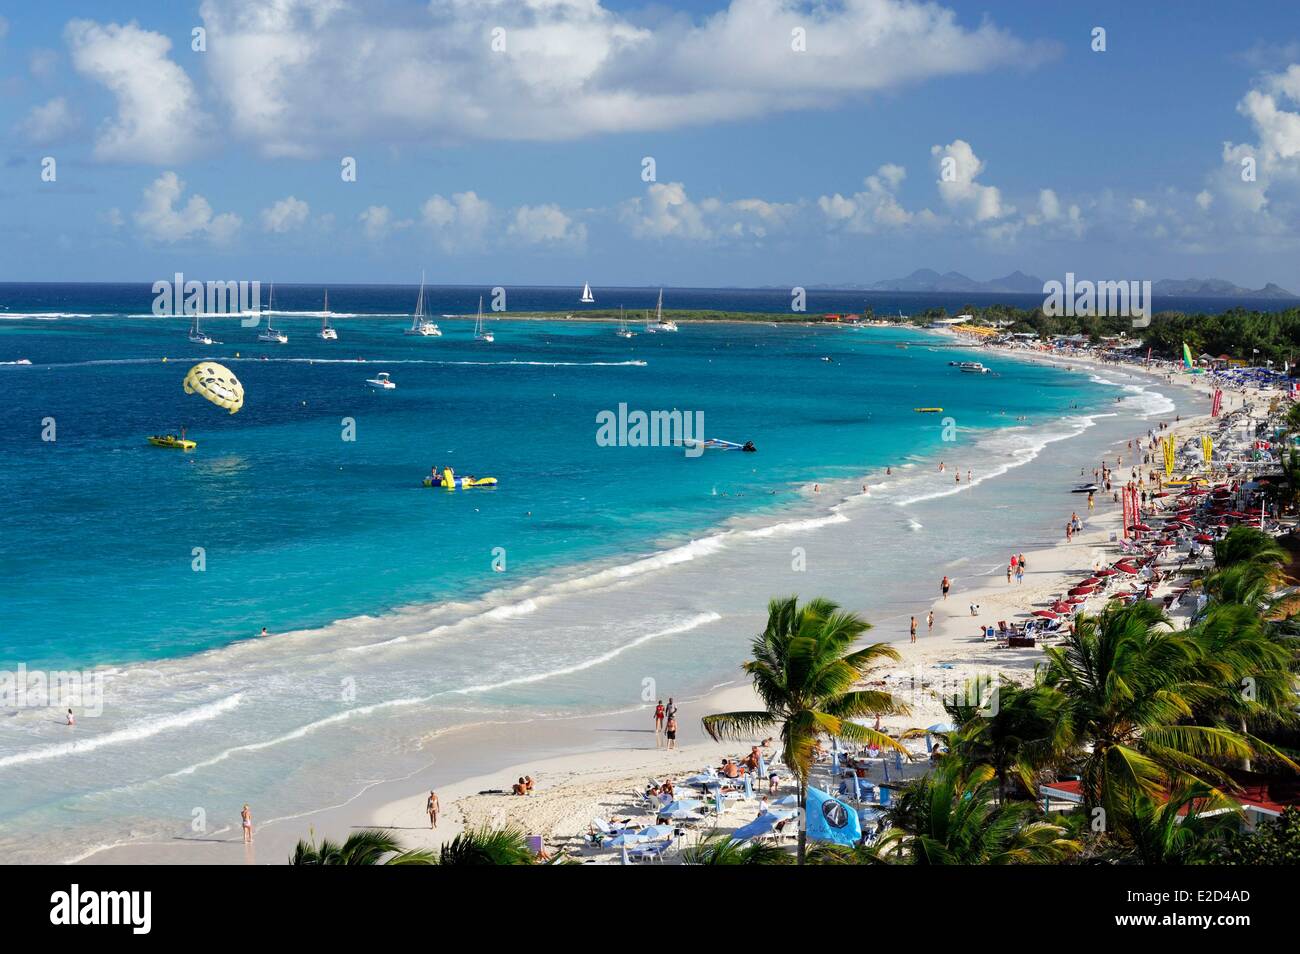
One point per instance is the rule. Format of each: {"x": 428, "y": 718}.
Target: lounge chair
{"x": 651, "y": 852}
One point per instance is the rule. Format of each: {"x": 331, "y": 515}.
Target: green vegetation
{"x": 804, "y": 670}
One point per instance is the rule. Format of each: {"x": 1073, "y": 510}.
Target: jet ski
{"x": 1085, "y": 489}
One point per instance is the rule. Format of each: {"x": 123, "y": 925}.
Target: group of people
{"x": 666, "y": 724}
{"x": 1016, "y": 568}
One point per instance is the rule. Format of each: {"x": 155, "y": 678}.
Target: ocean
{"x": 396, "y": 612}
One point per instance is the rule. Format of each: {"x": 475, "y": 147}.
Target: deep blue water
{"x": 299, "y": 527}
{"x": 136, "y": 299}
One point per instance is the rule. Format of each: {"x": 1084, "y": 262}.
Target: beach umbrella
{"x": 1076, "y": 600}
{"x": 655, "y": 832}
{"x": 1142, "y": 527}
{"x": 870, "y": 815}
{"x": 762, "y": 766}
{"x": 681, "y": 805}
{"x": 1104, "y": 573}
{"x": 1204, "y": 538}
{"x": 625, "y": 838}
{"x": 761, "y": 825}
{"x": 682, "y": 814}
{"x": 701, "y": 778}
{"x": 788, "y": 800}
{"x": 1046, "y": 614}
{"x": 717, "y": 803}
{"x": 1080, "y": 590}
{"x": 749, "y": 787}
{"x": 942, "y": 727}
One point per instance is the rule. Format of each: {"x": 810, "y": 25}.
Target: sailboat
{"x": 198, "y": 336}
{"x": 269, "y": 334}
{"x": 623, "y": 330}
{"x": 587, "y": 297}
{"x": 659, "y": 324}
{"x": 327, "y": 332}
{"x": 479, "y": 333}
{"x": 421, "y": 326}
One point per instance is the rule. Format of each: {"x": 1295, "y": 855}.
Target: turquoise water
{"x": 299, "y": 527}
{"x": 388, "y": 623}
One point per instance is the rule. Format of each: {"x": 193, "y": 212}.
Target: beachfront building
{"x": 1262, "y": 797}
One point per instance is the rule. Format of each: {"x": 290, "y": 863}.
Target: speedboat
{"x": 327, "y": 332}
{"x": 421, "y": 326}
{"x": 381, "y": 382}
{"x": 197, "y": 335}
{"x": 716, "y": 443}
{"x": 171, "y": 441}
{"x": 659, "y": 324}
{"x": 448, "y": 480}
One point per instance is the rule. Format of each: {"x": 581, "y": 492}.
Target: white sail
{"x": 587, "y": 298}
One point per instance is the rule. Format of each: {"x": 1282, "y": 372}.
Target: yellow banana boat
{"x": 928, "y": 410}
{"x": 450, "y": 481}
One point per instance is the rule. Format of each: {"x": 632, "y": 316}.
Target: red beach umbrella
{"x": 1046, "y": 614}
{"x": 1105, "y": 572}
{"x": 1080, "y": 590}
{"x": 1204, "y": 538}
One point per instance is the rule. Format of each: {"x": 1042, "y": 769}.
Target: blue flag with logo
{"x": 831, "y": 820}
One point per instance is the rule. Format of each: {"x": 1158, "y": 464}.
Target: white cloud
{"x": 377, "y": 222}
{"x": 958, "y": 167}
{"x": 666, "y": 211}
{"x": 158, "y": 118}
{"x": 285, "y": 215}
{"x": 875, "y": 207}
{"x": 49, "y": 122}
{"x": 546, "y": 224}
{"x": 459, "y": 222}
{"x": 300, "y": 75}
{"x": 161, "y": 220}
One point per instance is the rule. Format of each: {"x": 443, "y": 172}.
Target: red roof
{"x": 1271, "y": 794}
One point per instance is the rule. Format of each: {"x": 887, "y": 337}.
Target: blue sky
{"x": 524, "y": 165}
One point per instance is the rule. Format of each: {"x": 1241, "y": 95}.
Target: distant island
{"x": 1018, "y": 283}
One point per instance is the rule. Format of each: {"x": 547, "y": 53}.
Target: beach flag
{"x": 1207, "y": 447}
{"x": 829, "y": 819}
{"x": 1169, "y": 456}
{"x": 1217, "y": 404}
{"x": 1187, "y": 356}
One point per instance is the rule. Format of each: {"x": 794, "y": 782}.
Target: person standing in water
{"x": 913, "y": 629}
{"x": 246, "y": 822}
{"x": 945, "y": 586}
{"x": 659, "y": 723}
{"x": 929, "y": 622}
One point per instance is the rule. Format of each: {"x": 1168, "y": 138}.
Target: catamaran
{"x": 659, "y": 324}
{"x": 587, "y": 297}
{"x": 623, "y": 330}
{"x": 270, "y": 334}
{"x": 327, "y": 332}
{"x": 198, "y": 336}
{"x": 479, "y": 333}
{"x": 421, "y": 326}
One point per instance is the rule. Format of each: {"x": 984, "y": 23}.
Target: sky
{"x": 711, "y": 143}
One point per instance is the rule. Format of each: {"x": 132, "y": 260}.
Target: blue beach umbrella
{"x": 623, "y": 839}
{"x": 761, "y": 825}
{"x": 749, "y": 788}
{"x": 792, "y": 800}
{"x": 762, "y": 766}
{"x": 655, "y": 832}
{"x": 681, "y": 805}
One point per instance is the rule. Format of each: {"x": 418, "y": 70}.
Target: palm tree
{"x": 487, "y": 846}
{"x": 1180, "y": 830}
{"x": 1130, "y": 686}
{"x": 370, "y": 846}
{"x": 728, "y": 851}
{"x": 804, "y": 669}
{"x": 949, "y": 817}
{"x": 1018, "y": 737}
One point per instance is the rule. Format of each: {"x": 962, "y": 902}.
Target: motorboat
{"x": 381, "y": 382}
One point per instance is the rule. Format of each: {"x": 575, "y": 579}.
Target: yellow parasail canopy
{"x": 217, "y": 383}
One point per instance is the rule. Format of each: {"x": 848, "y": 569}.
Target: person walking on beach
{"x": 431, "y": 807}
{"x": 929, "y": 622}
{"x": 659, "y": 724}
{"x": 945, "y": 586}
{"x": 670, "y": 710}
{"x": 671, "y": 731}
{"x": 1020, "y": 573}
{"x": 246, "y": 822}
{"x": 913, "y": 629}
